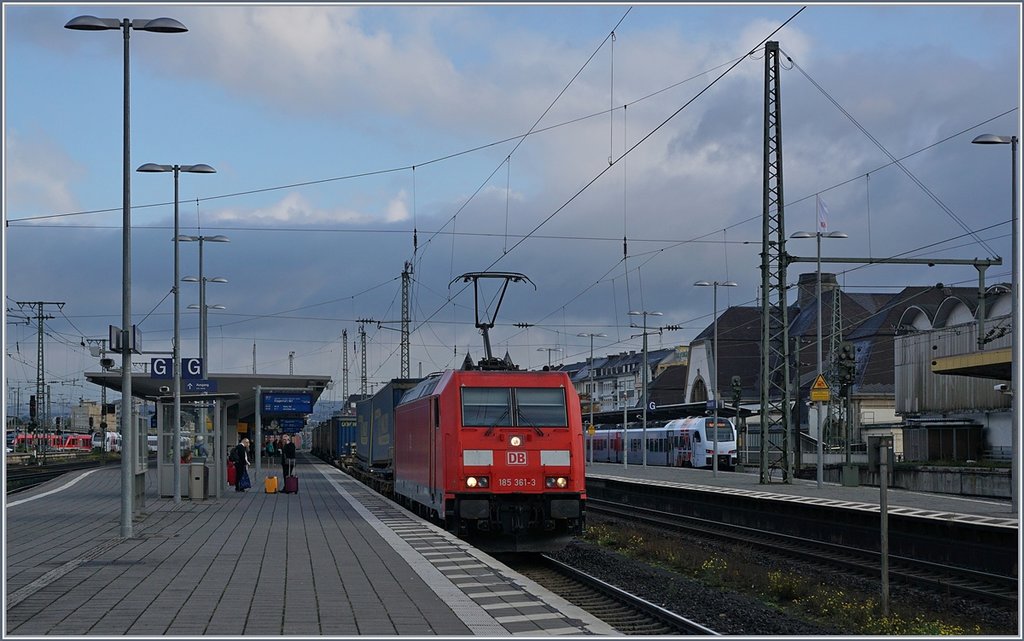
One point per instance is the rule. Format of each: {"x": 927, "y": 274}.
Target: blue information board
{"x": 291, "y": 425}
{"x": 287, "y": 403}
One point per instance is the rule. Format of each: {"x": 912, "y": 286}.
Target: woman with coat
{"x": 288, "y": 457}
{"x": 241, "y": 463}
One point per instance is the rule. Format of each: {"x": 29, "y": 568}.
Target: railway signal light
{"x": 847, "y": 361}
{"x": 737, "y": 389}
{"x": 32, "y": 407}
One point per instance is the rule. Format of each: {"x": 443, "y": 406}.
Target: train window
{"x": 541, "y": 407}
{"x": 486, "y": 407}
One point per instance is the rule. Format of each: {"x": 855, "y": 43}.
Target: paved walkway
{"x": 950, "y": 506}
{"x": 335, "y": 559}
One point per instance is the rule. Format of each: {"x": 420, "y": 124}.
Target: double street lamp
{"x": 202, "y": 280}
{"x": 549, "y": 350}
{"x": 714, "y": 373}
{"x": 643, "y": 433}
{"x": 203, "y": 308}
{"x": 1015, "y": 350}
{"x": 591, "y": 368}
{"x": 203, "y": 322}
{"x": 821, "y": 367}
{"x": 177, "y": 169}
{"x": 130, "y": 449}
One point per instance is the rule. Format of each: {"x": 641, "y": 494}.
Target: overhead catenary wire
{"x": 626, "y": 152}
{"x": 505, "y": 249}
{"x": 938, "y": 201}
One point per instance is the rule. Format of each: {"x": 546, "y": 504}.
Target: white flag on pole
{"x": 822, "y": 215}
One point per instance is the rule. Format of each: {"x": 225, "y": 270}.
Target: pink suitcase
{"x": 291, "y": 485}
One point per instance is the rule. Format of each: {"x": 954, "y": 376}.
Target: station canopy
{"x": 236, "y": 389}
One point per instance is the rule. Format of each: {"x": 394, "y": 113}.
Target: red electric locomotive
{"x": 498, "y": 456}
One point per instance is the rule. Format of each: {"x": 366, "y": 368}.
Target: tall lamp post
{"x": 203, "y": 307}
{"x": 549, "y": 350}
{"x": 643, "y": 431}
{"x": 202, "y": 293}
{"x": 714, "y": 376}
{"x": 1015, "y": 351}
{"x": 129, "y": 451}
{"x": 821, "y": 368}
{"x": 177, "y": 169}
{"x": 591, "y": 368}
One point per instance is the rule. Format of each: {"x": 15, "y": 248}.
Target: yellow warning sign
{"x": 819, "y": 390}
{"x": 591, "y": 431}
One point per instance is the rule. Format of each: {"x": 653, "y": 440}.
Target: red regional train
{"x": 497, "y": 456}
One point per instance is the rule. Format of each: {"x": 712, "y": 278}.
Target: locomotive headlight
{"x": 477, "y": 481}
{"x": 552, "y": 482}
{"x": 515, "y": 441}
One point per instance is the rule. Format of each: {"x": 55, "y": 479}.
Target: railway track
{"x": 943, "y": 579}
{"x": 627, "y": 613}
{"x": 20, "y": 479}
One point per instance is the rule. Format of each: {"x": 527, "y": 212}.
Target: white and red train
{"x": 683, "y": 442}
{"x": 68, "y": 442}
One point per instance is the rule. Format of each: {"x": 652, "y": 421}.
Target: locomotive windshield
{"x": 486, "y": 406}
{"x": 541, "y": 406}
{"x": 492, "y": 407}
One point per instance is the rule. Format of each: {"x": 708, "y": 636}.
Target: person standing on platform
{"x": 288, "y": 456}
{"x": 270, "y": 448}
{"x": 241, "y": 464}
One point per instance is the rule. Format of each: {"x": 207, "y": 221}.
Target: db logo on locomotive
{"x": 515, "y": 458}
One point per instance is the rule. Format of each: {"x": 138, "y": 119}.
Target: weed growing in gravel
{"x": 713, "y": 565}
{"x": 744, "y": 572}
{"x": 602, "y": 535}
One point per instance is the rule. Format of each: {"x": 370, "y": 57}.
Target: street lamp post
{"x": 643, "y": 431}
{"x": 821, "y": 367}
{"x": 129, "y": 450}
{"x": 1015, "y": 351}
{"x": 549, "y": 350}
{"x": 177, "y": 169}
{"x": 203, "y": 308}
{"x": 591, "y": 368}
{"x": 714, "y": 376}
{"x": 202, "y": 293}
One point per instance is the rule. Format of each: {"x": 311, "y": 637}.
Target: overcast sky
{"x": 337, "y": 131}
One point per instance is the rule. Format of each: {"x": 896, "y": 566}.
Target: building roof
{"x": 669, "y": 387}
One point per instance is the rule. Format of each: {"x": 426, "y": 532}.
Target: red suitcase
{"x": 232, "y": 473}
{"x": 291, "y": 485}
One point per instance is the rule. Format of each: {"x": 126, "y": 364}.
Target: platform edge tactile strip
{"x": 412, "y": 539}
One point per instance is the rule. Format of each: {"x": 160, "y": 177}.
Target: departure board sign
{"x": 291, "y": 425}
{"x": 287, "y": 403}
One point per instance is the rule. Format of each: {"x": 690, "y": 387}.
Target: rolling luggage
{"x": 232, "y": 473}
{"x": 291, "y": 485}
{"x": 270, "y": 485}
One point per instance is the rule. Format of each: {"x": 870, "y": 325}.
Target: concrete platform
{"x": 333, "y": 560}
{"x": 987, "y": 511}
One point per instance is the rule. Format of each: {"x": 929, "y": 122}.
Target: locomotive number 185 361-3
{"x": 517, "y": 482}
